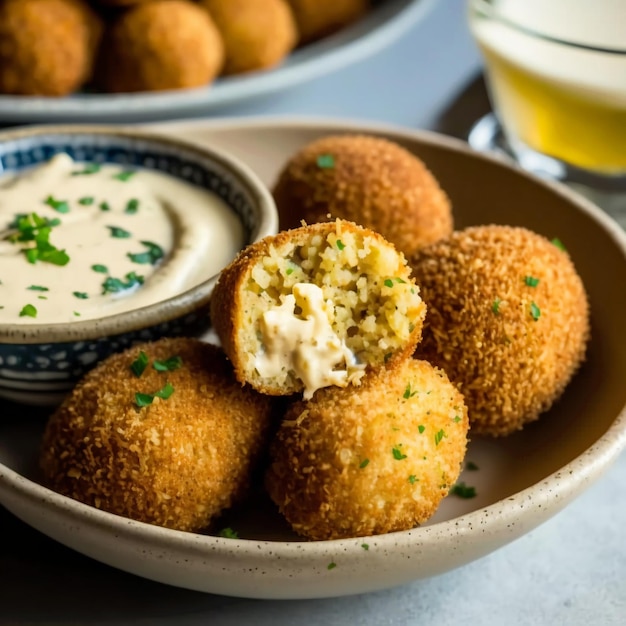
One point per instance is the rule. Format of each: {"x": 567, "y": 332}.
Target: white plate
{"x": 385, "y": 23}
{"x": 521, "y": 481}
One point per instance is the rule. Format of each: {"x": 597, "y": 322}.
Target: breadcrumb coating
{"x": 369, "y": 460}
{"x": 177, "y": 462}
{"x": 368, "y": 180}
{"x": 508, "y": 320}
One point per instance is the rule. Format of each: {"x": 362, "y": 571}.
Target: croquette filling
{"x": 321, "y": 311}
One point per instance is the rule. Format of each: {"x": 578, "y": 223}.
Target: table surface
{"x": 571, "y": 570}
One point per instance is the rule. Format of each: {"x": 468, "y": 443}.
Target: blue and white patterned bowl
{"x": 40, "y": 363}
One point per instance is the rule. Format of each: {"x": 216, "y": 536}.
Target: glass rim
{"x": 487, "y": 9}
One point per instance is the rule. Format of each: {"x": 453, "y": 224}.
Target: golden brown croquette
{"x": 257, "y": 34}
{"x": 168, "y": 44}
{"x": 316, "y": 306}
{"x": 46, "y": 46}
{"x": 370, "y": 460}
{"x": 176, "y": 462}
{"x": 318, "y": 18}
{"x": 508, "y": 320}
{"x": 368, "y": 180}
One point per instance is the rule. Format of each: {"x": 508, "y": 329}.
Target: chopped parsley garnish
{"x": 421, "y": 428}
{"x": 439, "y": 435}
{"x": 118, "y": 233}
{"x": 332, "y": 565}
{"x": 86, "y": 201}
{"x": 81, "y": 295}
{"x": 463, "y": 491}
{"x": 42, "y": 298}
{"x": 559, "y": 244}
{"x": 76, "y": 313}
{"x": 289, "y": 271}
{"x": 534, "y": 311}
{"x": 408, "y": 393}
{"x": 365, "y": 546}
{"x": 364, "y": 463}
{"x": 104, "y": 206}
{"x": 169, "y": 365}
{"x": 388, "y": 282}
{"x": 37, "y": 229}
{"x": 340, "y": 244}
{"x": 413, "y": 479}
{"x": 495, "y": 306}
{"x": 124, "y": 175}
{"x": 145, "y": 399}
{"x": 101, "y": 269}
{"x": 28, "y": 311}
{"x": 37, "y": 288}
{"x": 115, "y": 285}
{"x": 397, "y": 453}
{"x": 325, "y": 161}
{"x": 151, "y": 256}
{"x": 531, "y": 281}
{"x": 471, "y": 466}
{"x": 132, "y": 206}
{"x": 138, "y": 366}
{"x": 457, "y": 419}
{"x": 61, "y": 206}
{"x": 228, "y": 533}
{"x": 90, "y": 168}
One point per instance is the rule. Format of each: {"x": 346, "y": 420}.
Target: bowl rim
{"x": 165, "y": 310}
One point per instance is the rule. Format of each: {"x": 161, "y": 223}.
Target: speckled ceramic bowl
{"x": 39, "y": 363}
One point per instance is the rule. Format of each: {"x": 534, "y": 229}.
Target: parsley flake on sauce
{"x": 138, "y": 366}
{"x": 115, "y": 285}
{"x": 104, "y": 206}
{"x": 531, "y": 281}
{"x": 228, "y": 533}
{"x": 86, "y": 201}
{"x": 332, "y": 565}
{"x": 397, "y": 453}
{"x": 90, "y": 168}
{"x": 124, "y": 175}
{"x": 365, "y": 546}
{"x": 535, "y": 311}
{"x": 152, "y": 255}
{"x": 463, "y": 491}
{"x": 132, "y": 206}
{"x": 28, "y": 311}
{"x": 61, "y": 206}
{"x": 325, "y": 161}
{"x": 101, "y": 269}
{"x": 37, "y": 288}
{"x": 118, "y": 233}
{"x": 145, "y": 399}
{"x": 32, "y": 227}
{"x": 81, "y": 295}
{"x": 169, "y": 365}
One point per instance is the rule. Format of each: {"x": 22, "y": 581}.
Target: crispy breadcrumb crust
{"x": 369, "y": 460}
{"x": 373, "y": 182}
{"x": 511, "y": 347}
{"x": 175, "y": 463}
{"x": 238, "y": 301}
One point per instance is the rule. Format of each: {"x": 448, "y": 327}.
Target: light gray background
{"x": 571, "y": 570}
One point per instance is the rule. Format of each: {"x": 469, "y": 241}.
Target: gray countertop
{"x": 571, "y": 570}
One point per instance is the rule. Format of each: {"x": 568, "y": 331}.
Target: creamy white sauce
{"x": 197, "y": 233}
{"x": 306, "y": 343}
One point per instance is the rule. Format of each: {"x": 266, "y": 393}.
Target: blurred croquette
{"x": 318, "y": 18}
{"x": 369, "y": 460}
{"x": 507, "y": 319}
{"x": 368, "y": 180}
{"x": 161, "y": 433}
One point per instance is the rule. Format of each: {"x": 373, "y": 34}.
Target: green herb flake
{"x": 28, "y": 311}
{"x": 439, "y": 435}
{"x": 413, "y": 479}
{"x": 408, "y": 393}
{"x": 531, "y": 281}
{"x": 60, "y": 206}
{"x": 364, "y": 463}
{"x": 76, "y": 313}
{"x": 101, "y": 269}
{"x": 397, "y": 453}
{"x": 37, "y": 288}
{"x": 138, "y": 366}
{"x": 86, "y": 201}
{"x": 119, "y": 233}
{"x": 32, "y": 227}
{"x": 421, "y": 428}
{"x": 169, "y": 365}
{"x": 365, "y": 546}
{"x": 104, "y": 206}
{"x": 115, "y": 285}
{"x": 388, "y": 282}
{"x": 151, "y": 256}
{"x": 457, "y": 419}
{"x": 81, "y": 295}
{"x": 495, "y": 306}
{"x": 471, "y": 466}
{"x": 125, "y": 175}
{"x": 145, "y": 399}
{"x": 228, "y": 533}
{"x": 132, "y": 206}
{"x": 559, "y": 244}
{"x": 535, "y": 311}
{"x": 289, "y": 271}
{"x": 340, "y": 244}
{"x": 42, "y": 298}
{"x": 90, "y": 168}
{"x": 332, "y": 565}
{"x": 325, "y": 161}
{"x": 462, "y": 490}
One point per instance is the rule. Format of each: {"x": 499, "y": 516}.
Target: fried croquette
{"x": 318, "y": 18}
{"x": 47, "y": 47}
{"x": 257, "y": 34}
{"x": 161, "y": 433}
{"x": 368, "y": 180}
{"x": 168, "y": 44}
{"x": 316, "y": 306}
{"x": 508, "y": 320}
{"x": 370, "y": 460}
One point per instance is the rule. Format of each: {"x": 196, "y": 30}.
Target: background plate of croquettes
{"x": 514, "y": 475}
{"x": 139, "y": 60}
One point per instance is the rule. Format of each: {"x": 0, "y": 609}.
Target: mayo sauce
{"x": 82, "y": 241}
{"x": 305, "y": 343}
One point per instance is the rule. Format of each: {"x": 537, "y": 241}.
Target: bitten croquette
{"x": 369, "y": 460}
{"x": 316, "y": 306}
{"x": 177, "y": 454}
{"x": 318, "y": 18}
{"x": 368, "y": 180}
{"x": 508, "y": 320}
{"x": 257, "y": 34}
{"x": 168, "y": 44}
{"x": 47, "y": 47}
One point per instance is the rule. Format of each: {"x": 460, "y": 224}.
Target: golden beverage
{"x": 556, "y": 72}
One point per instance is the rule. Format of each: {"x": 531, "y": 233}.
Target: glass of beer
{"x": 556, "y": 76}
